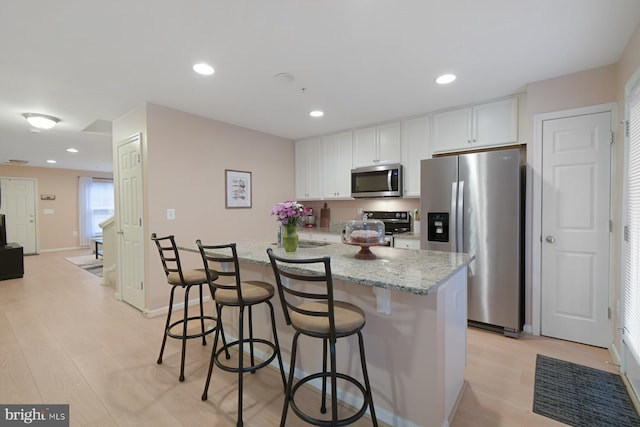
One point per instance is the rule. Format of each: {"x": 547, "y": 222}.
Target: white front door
{"x": 19, "y": 205}
{"x": 129, "y": 192}
{"x": 575, "y": 228}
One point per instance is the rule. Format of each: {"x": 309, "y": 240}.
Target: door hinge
{"x": 626, "y": 128}
{"x": 139, "y": 158}
{"x": 140, "y": 221}
{"x": 141, "y": 285}
{"x": 610, "y": 226}
{"x": 609, "y": 313}
{"x": 611, "y": 137}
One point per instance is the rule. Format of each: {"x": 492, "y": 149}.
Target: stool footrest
{"x": 250, "y": 368}
{"x": 190, "y": 319}
{"x": 328, "y": 423}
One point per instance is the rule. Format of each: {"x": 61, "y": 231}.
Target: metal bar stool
{"x": 185, "y": 279}
{"x": 242, "y": 295}
{"x": 315, "y": 313}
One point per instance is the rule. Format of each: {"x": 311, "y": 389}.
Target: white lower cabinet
{"x": 405, "y": 243}
{"x": 325, "y": 237}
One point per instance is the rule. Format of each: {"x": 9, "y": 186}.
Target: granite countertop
{"x": 406, "y": 270}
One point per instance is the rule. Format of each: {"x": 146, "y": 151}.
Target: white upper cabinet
{"x": 308, "y": 169}
{"x": 377, "y": 145}
{"x": 337, "y": 153}
{"x": 484, "y": 125}
{"x": 415, "y": 147}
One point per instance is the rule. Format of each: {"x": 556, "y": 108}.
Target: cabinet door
{"x": 325, "y": 237}
{"x": 389, "y": 137}
{"x": 406, "y": 243}
{"x": 337, "y": 159}
{"x": 452, "y": 130}
{"x": 364, "y": 147}
{"x": 415, "y": 147}
{"x": 496, "y": 123}
{"x": 308, "y": 169}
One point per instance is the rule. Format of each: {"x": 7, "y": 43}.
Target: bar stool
{"x": 185, "y": 279}
{"x": 316, "y": 314}
{"x": 242, "y": 295}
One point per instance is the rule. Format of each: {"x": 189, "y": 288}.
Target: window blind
{"x": 631, "y": 317}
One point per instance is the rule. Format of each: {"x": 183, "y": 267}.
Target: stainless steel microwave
{"x": 377, "y": 181}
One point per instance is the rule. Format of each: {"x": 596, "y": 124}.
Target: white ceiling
{"x": 361, "y": 61}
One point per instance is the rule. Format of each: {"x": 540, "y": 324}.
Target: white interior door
{"x": 129, "y": 193}
{"x": 19, "y": 205}
{"x": 575, "y": 228}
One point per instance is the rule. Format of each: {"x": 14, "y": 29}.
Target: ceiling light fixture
{"x": 51, "y": 161}
{"x": 72, "y": 150}
{"x": 41, "y": 121}
{"x": 445, "y": 79}
{"x": 204, "y": 69}
{"x": 316, "y": 113}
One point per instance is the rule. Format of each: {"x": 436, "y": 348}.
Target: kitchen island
{"x": 415, "y": 337}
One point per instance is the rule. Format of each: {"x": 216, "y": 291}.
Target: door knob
{"x": 551, "y": 239}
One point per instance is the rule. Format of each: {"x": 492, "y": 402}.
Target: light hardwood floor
{"x": 64, "y": 339}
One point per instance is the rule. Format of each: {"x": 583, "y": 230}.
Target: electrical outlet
{"x": 171, "y": 214}
{"x": 359, "y": 211}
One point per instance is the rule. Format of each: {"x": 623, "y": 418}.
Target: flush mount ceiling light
{"x": 445, "y": 79}
{"x": 204, "y": 69}
{"x": 51, "y": 161}
{"x": 72, "y": 150}
{"x": 41, "y": 121}
{"x": 316, "y": 113}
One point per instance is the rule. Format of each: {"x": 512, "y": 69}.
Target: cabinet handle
{"x": 468, "y": 141}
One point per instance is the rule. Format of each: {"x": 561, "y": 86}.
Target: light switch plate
{"x": 171, "y": 214}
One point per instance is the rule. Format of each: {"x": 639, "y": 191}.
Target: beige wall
{"x": 185, "y": 157}
{"x": 56, "y": 230}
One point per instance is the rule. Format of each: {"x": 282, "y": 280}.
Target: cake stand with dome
{"x": 365, "y": 233}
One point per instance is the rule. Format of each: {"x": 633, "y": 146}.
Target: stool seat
{"x": 253, "y": 292}
{"x": 348, "y": 318}
{"x": 189, "y": 277}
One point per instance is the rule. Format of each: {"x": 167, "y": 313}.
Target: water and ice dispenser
{"x": 438, "y": 226}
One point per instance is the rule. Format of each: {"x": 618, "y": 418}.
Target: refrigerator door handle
{"x": 454, "y": 215}
{"x": 460, "y": 218}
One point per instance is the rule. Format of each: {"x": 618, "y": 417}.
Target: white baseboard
{"x": 162, "y": 311}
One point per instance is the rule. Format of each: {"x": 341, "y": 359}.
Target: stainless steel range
{"x": 395, "y": 222}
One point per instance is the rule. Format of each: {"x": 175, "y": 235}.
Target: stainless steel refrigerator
{"x": 473, "y": 203}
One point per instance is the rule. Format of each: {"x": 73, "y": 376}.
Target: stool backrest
{"x": 168, "y": 255}
{"x": 294, "y": 286}
{"x": 223, "y": 259}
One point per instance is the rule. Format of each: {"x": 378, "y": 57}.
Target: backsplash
{"x": 345, "y": 210}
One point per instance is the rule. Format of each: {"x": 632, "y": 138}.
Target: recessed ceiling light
{"x": 51, "y": 161}
{"x": 41, "y": 121}
{"x": 316, "y": 113}
{"x": 72, "y": 150}
{"x": 284, "y": 77}
{"x": 204, "y": 69}
{"x": 445, "y": 79}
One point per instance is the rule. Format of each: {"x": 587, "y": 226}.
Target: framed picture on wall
{"x": 237, "y": 189}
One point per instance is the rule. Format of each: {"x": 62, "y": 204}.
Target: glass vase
{"x": 290, "y": 237}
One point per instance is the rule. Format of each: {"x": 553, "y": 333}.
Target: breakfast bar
{"x": 415, "y": 337}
